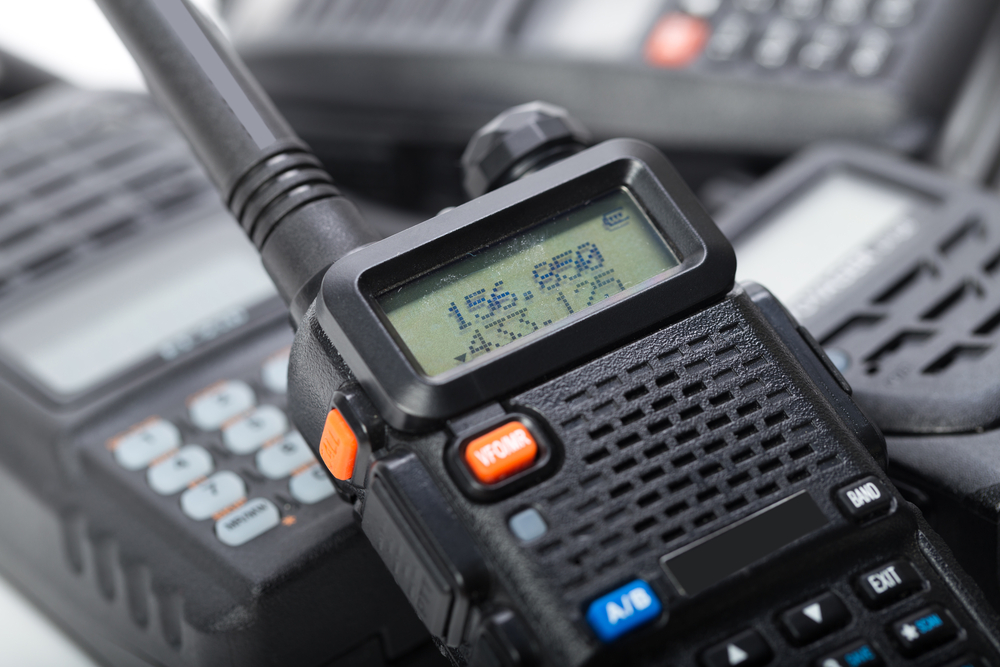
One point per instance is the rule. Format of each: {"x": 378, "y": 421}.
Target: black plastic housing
{"x": 936, "y": 394}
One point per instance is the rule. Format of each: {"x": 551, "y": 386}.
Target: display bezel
{"x": 410, "y": 400}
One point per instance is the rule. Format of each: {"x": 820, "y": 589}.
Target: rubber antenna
{"x": 275, "y": 187}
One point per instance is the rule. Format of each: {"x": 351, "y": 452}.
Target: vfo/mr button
{"x": 623, "y": 610}
{"x": 501, "y": 453}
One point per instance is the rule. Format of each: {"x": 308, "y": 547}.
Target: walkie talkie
{"x": 895, "y": 272}
{"x": 566, "y": 432}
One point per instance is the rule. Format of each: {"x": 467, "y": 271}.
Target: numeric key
{"x": 214, "y": 406}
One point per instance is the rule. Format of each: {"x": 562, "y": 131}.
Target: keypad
{"x": 136, "y": 449}
{"x": 816, "y": 618}
{"x": 224, "y": 427}
{"x": 311, "y": 485}
{"x": 924, "y": 630}
{"x": 748, "y": 649}
{"x": 888, "y": 583}
{"x": 249, "y": 433}
{"x": 248, "y": 521}
{"x": 828, "y": 617}
{"x": 175, "y": 473}
{"x": 274, "y": 373}
{"x": 857, "y": 37}
{"x": 219, "y": 492}
{"x": 623, "y": 610}
{"x": 210, "y": 409}
{"x": 281, "y": 459}
{"x": 856, "y": 654}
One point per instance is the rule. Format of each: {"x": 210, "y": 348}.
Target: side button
{"x": 747, "y": 649}
{"x": 338, "y": 447}
{"x": 864, "y": 498}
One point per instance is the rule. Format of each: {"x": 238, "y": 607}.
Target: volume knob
{"x": 518, "y": 142}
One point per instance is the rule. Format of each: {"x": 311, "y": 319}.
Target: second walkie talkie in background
{"x": 894, "y": 266}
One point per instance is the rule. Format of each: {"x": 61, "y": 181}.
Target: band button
{"x": 501, "y": 453}
{"x": 623, "y": 610}
{"x": 864, "y": 498}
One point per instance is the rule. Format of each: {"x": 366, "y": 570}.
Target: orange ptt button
{"x": 338, "y": 447}
{"x": 676, "y": 40}
{"x": 501, "y": 453}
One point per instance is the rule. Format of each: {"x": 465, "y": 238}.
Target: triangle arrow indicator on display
{"x": 460, "y": 358}
{"x": 814, "y": 612}
{"x": 735, "y": 654}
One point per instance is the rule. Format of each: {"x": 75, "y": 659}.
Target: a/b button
{"x": 502, "y": 452}
{"x": 622, "y": 610}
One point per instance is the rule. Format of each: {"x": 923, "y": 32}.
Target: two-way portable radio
{"x": 158, "y": 502}
{"x": 763, "y": 76}
{"x": 568, "y": 435}
{"x": 893, "y": 267}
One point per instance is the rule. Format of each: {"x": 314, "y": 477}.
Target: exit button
{"x": 623, "y": 610}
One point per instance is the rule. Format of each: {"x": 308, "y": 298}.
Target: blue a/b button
{"x": 622, "y": 610}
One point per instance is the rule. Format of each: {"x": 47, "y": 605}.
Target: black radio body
{"x": 667, "y": 460}
{"x": 160, "y": 521}
{"x": 905, "y": 302}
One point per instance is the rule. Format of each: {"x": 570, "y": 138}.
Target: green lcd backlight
{"x": 527, "y": 283}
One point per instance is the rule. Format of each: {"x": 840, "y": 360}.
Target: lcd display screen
{"x": 505, "y": 293}
{"x": 157, "y": 301}
{"x": 827, "y": 238}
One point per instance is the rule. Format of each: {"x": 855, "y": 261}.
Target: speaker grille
{"x": 80, "y": 171}
{"x": 671, "y": 442}
{"x": 939, "y": 312}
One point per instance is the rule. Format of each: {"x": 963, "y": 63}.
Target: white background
{"x": 71, "y": 39}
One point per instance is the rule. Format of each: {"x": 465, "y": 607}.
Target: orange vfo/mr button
{"x": 502, "y": 452}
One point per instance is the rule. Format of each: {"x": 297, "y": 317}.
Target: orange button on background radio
{"x": 502, "y": 452}
{"x": 676, "y": 40}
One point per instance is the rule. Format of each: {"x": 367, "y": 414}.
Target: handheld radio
{"x": 568, "y": 435}
{"x": 895, "y": 274}
{"x": 175, "y": 516}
